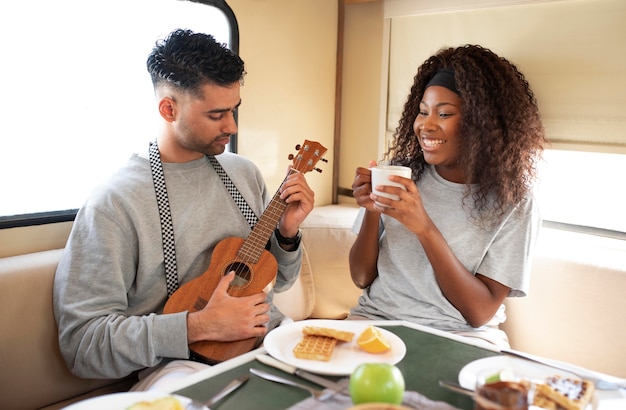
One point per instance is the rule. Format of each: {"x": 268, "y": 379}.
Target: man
{"x": 111, "y": 287}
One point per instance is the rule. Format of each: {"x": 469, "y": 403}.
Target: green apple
{"x": 376, "y": 383}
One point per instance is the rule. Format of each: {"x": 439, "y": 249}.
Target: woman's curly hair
{"x": 501, "y": 135}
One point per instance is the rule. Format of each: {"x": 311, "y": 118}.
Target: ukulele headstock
{"x": 309, "y": 154}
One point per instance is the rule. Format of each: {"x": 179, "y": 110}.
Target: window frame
{"x": 68, "y": 215}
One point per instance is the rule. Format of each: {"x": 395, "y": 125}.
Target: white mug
{"x": 380, "y": 176}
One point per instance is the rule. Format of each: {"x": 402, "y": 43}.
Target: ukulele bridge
{"x": 200, "y": 303}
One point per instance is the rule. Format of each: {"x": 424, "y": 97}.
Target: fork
{"x": 317, "y": 394}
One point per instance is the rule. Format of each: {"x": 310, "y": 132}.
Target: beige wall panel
{"x": 289, "y": 48}
{"x": 361, "y": 89}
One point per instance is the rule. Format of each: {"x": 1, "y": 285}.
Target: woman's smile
{"x": 429, "y": 144}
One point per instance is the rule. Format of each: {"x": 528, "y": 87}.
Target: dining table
{"x": 431, "y": 355}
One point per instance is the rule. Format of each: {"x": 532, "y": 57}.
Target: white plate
{"x": 120, "y": 401}
{"x": 534, "y": 371}
{"x": 280, "y": 342}
{"x": 519, "y": 367}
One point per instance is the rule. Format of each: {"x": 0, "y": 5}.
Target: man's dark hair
{"x": 188, "y": 60}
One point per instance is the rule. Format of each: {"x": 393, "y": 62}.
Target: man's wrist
{"x": 292, "y": 242}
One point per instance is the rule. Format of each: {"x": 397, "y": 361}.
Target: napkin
{"x": 411, "y": 399}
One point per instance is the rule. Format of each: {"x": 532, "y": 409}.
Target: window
{"x": 584, "y": 189}
{"x": 77, "y": 98}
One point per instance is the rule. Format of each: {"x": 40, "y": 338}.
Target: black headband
{"x": 445, "y": 78}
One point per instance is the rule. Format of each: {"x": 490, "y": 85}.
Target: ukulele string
{"x": 242, "y": 270}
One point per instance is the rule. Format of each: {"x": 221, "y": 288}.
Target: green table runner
{"x": 429, "y": 358}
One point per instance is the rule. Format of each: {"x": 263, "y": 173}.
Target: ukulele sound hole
{"x": 243, "y": 276}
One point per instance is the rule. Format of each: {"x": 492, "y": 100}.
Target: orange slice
{"x": 373, "y": 341}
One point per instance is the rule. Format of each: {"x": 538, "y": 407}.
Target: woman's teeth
{"x": 431, "y": 142}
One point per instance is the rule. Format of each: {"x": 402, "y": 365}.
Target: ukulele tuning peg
{"x": 318, "y": 170}
{"x": 323, "y": 160}
{"x": 290, "y": 157}
{"x": 298, "y": 146}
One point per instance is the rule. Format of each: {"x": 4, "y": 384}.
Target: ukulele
{"x": 255, "y": 267}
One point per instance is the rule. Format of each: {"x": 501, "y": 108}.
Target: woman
{"x": 458, "y": 239}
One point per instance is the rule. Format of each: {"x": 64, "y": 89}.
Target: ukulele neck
{"x": 254, "y": 245}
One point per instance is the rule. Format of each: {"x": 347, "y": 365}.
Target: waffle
{"x": 544, "y": 402}
{"x": 340, "y": 335}
{"x": 313, "y": 347}
{"x": 567, "y": 393}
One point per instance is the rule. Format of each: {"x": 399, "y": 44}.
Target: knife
{"x": 226, "y": 390}
{"x": 339, "y": 387}
{"x": 602, "y": 381}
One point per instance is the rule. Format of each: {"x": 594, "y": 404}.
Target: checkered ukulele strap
{"x": 234, "y": 192}
{"x": 167, "y": 228}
